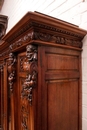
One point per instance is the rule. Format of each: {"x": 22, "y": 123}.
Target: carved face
{"x": 29, "y": 51}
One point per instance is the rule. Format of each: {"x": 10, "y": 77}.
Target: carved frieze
{"x": 46, "y": 37}
{"x": 31, "y": 78}
{"x": 11, "y": 70}
{"x": 26, "y": 38}
{"x": 57, "y": 39}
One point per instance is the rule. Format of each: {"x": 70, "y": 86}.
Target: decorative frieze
{"x": 46, "y": 37}
{"x": 26, "y": 38}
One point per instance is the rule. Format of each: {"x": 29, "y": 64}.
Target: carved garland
{"x": 31, "y": 67}
{"x": 11, "y": 70}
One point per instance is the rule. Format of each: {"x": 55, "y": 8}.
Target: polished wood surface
{"x": 40, "y": 79}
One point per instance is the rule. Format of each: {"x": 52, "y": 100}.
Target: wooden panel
{"x": 60, "y": 89}
{"x": 61, "y": 62}
{"x": 62, "y": 105}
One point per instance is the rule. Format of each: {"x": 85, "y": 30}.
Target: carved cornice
{"x": 20, "y": 32}
{"x": 44, "y": 33}
{"x": 34, "y": 24}
{"x": 11, "y": 70}
{"x": 55, "y": 29}
{"x": 31, "y": 77}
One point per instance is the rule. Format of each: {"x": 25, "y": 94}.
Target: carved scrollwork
{"x": 11, "y": 70}
{"x": 31, "y": 67}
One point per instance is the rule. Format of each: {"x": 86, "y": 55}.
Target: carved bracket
{"x": 11, "y": 70}
{"x": 31, "y": 67}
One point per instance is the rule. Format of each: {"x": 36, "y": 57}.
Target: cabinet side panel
{"x": 60, "y": 89}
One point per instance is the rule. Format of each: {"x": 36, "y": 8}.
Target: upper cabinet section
{"x": 38, "y": 28}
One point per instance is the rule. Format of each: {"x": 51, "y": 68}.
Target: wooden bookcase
{"x": 40, "y": 79}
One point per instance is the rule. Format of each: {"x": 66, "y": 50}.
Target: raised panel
{"x": 61, "y": 62}
{"x": 62, "y": 105}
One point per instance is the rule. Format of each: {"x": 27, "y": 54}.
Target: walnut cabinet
{"x": 40, "y": 75}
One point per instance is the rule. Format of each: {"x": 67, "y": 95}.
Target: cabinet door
{"x": 61, "y": 97}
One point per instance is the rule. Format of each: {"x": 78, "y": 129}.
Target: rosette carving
{"x": 11, "y": 70}
{"x": 31, "y": 78}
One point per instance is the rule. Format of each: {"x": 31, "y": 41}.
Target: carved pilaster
{"x": 11, "y": 70}
{"x": 31, "y": 78}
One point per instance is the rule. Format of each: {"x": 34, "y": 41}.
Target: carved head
{"x": 31, "y": 51}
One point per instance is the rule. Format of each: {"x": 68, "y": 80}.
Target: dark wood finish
{"x": 41, "y": 78}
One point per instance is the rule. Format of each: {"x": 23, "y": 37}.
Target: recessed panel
{"x": 62, "y": 107}
{"x": 61, "y": 62}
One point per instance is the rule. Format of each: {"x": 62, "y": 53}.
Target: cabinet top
{"x": 47, "y": 22}
{"x": 38, "y": 27}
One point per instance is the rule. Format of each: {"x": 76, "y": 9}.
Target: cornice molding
{"x": 35, "y": 27}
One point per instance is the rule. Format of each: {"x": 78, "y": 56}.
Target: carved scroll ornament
{"x": 31, "y": 68}
{"x": 11, "y": 70}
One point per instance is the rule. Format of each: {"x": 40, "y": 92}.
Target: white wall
{"x": 74, "y": 11}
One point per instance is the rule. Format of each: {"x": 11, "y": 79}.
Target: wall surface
{"x": 73, "y": 11}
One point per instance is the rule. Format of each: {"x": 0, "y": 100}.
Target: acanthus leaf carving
{"x": 11, "y": 70}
